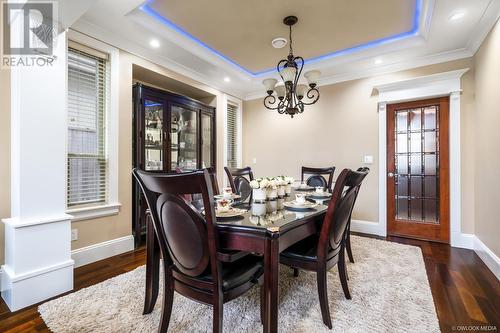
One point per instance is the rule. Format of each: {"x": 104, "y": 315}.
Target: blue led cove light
{"x": 386, "y": 40}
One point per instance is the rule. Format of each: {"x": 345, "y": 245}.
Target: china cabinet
{"x": 171, "y": 133}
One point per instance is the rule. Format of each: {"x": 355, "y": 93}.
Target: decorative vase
{"x": 272, "y": 193}
{"x": 288, "y": 189}
{"x": 281, "y": 191}
{"x": 259, "y": 195}
{"x": 258, "y": 209}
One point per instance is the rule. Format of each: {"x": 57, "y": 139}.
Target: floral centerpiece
{"x": 280, "y": 184}
{"x": 272, "y": 192}
{"x": 288, "y": 185}
{"x": 260, "y": 188}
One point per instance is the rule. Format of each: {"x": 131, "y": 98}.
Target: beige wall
{"x": 487, "y": 141}
{"x": 339, "y": 130}
{"x": 4, "y": 152}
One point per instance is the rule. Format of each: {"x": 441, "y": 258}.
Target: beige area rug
{"x": 388, "y": 283}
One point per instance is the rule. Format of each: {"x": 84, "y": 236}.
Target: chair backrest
{"x": 316, "y": 176}
{"x": 213, "y": 177}
{"x": 184, "y": 234}
{"x": 239, "y": 180}
{"x": 339, "y": 211}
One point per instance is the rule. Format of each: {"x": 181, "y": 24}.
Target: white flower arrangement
{"x": 260, "y": 183}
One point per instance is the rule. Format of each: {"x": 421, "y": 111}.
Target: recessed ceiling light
{"x": 279, "y": 42}
{"x": 457, "y": 16}
{"x": 227, "y": 79}
{"x": 378, "y": 61}
{"x": 154, "y": 43}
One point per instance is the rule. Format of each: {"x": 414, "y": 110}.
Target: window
{"x": 87, "y": 105}
{"x": 232, "y": 135}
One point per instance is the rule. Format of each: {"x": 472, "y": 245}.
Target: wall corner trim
{"x": 487, "y": 256}
{"x": 100, "y": 251}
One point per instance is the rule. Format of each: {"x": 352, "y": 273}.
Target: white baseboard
{"x": 366, "y": 227}
{"x": 490, "y": 259}
{"x": 96, "y": 252}
{"x": 461, "y": 240}
{"x": 1, "y": 280}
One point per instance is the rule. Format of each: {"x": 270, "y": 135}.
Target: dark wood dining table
{"x": 267, "y": 229}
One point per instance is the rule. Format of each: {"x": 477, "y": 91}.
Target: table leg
{"x": 271, "y": 272}
{"x": 152, "y": 267}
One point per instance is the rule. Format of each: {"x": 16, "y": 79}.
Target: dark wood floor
{"x": 465, "y": 291}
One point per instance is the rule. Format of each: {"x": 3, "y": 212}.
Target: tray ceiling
{"x": 325, "y": 27}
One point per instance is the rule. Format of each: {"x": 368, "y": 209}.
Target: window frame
{"x": 227, "y": 99}
{"x": 111, "y": 206}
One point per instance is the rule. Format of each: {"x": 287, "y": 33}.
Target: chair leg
{"x": 168, "y": 299}
{"x": 295, "y": 272}
{"x": 343, "y": 274}
{"x": 323, "y": 297}
{"x": 218, "y": 314}
{"x": 152, "y": 270}
{"x": 348, "y": 246}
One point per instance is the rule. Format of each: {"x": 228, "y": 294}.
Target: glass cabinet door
{"x": 153, "y": 135}
{"x": 206, "y": 140}
{"x": 183, "y": 139}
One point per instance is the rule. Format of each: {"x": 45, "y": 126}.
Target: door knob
{"x": 390, "y": 174}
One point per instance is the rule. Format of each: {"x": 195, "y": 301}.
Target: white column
{"x": 456, "y": 238}
{"x": 38, "y": 261}
{"x": 382, "y": 165}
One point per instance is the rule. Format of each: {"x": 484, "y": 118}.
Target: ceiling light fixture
{"x": 378, "y": 61}
{"x": 290, "y": 94}
{"x": 227, "y": 79}
{"x": 279, "y": 42}
{"x": 457, "y": 16}
{"x": 154, "y": 43}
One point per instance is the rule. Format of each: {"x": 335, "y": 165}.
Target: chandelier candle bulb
{"x": 291, "y": 97}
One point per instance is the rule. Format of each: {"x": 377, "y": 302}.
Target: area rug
{"x": 389, "y": 288}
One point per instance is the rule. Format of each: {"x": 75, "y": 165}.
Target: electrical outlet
{"x": 74, "y": 234}
{"x": 368, "y": 159}
{"x": 254, "y": 160}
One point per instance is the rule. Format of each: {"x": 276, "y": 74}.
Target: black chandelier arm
{"x": 299, "y": 69}
{"x": 269, "y": 101}
{"x": 313, "y": 95}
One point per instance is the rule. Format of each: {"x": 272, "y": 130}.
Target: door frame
{"x": 425, "y": 87}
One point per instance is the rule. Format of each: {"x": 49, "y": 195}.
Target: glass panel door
{"x": 183, "y": 138}
{"x": 206, "y": 141}
{"x": 417, "y": 164}
{"x": 418, "y": 169}
{"x": 153, "y": 135}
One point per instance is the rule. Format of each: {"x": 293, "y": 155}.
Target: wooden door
{"x": 418, "y": 169}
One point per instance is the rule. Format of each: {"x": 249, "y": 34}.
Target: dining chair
{"x": 188, "y": 243}
{"x": 316, "y": 176}
{"x": 348, "y": 232}
{"x": 322, "y": 251}
{"x": 239, "y": 180}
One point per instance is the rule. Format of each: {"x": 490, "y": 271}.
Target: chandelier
{"x": 290, "y": 96}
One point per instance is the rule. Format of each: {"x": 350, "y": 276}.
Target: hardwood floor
{"x": 466, "y": 293}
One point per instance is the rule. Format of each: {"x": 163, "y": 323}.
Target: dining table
{"x": 266, "y": 228}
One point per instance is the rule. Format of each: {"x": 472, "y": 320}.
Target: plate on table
{"x": 304, "y": 188}
{"x": 294, "y": 205}
{"x": 232, "y": 212}
{"x": 234, "y": 196}
{"x": 316, "y": 195}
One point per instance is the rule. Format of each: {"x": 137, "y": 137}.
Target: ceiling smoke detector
{"x": 279, "y": 42}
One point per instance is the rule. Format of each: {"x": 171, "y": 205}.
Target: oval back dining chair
{"x": 348, "y": 232}
{"x": 320, "y": 252}
{"x": 316, "y": 176}
{"x": 239, "y": 180}
{"x": 188, "y": 243}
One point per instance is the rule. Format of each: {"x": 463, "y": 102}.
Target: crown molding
{"x": 386, "y": 69}
{"x": 484, "y": 26}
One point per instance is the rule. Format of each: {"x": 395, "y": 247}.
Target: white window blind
{"x": 87, "y": 103}
{"x": 232, "y": 136}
